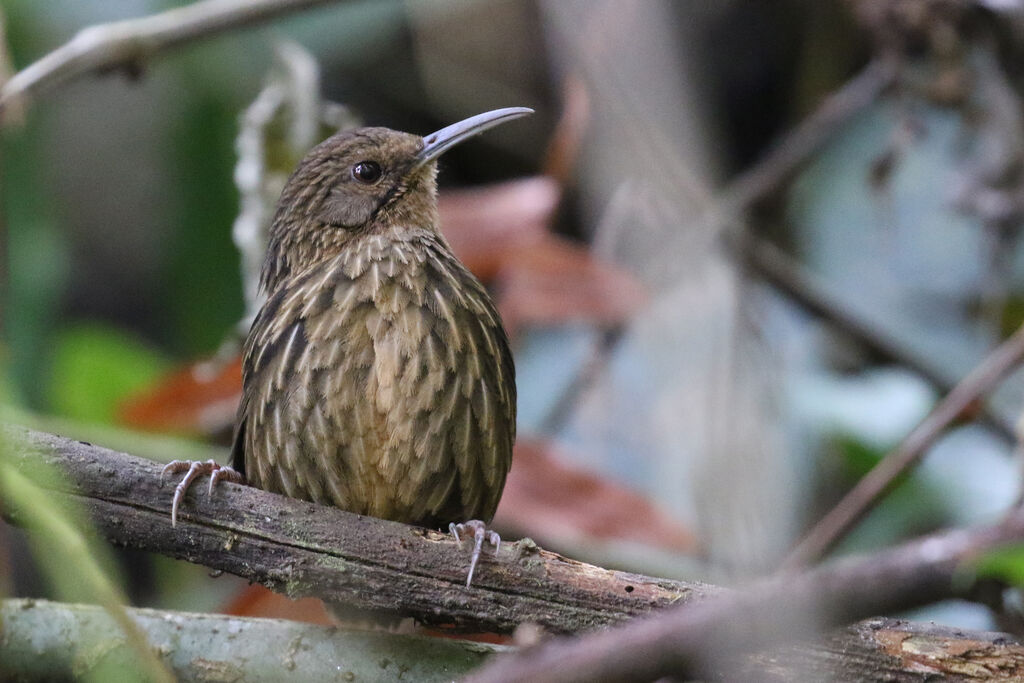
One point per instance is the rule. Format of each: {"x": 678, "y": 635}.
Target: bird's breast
{"x": 380, "y": 377}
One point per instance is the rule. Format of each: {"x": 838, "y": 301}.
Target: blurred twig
{"x": 727, "y": 210}
{"x": 290, "y": 115}
{"x": 597, "y": 359}
{"x": 981, "y": 380}
{"x": 771, "y": 173}
{"x": 127, "y": 44}
{"x": 788, "y": 276}
{"x": 705, "y": 639}
{"x": 784, "y": 273}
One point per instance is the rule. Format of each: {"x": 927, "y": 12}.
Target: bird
{"x": 377, "y": 375}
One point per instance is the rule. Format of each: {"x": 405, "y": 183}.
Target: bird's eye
{"x": 366, "y": 172}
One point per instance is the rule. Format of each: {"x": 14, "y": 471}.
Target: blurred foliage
{"x": 201, "y": 286}
{"x": 1004, "y": 564}
{"x": 37, "y": 256}
{"x": 857, "y": 456}
{"x": 94, "y": 367}
{"x": 58, "y": 546}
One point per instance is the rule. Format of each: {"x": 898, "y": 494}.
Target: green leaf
{"x": 1005, "y": 564}
{"x": 858, "y": 457}
{"x": 95, "y": 368}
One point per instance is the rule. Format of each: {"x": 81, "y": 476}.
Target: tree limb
{"x": 709, "y": 637}
{"x": 127, "y": 44}
{"x": 301, "y": 549}
{"x": 54, "y": 641}
{"x": 893, "y": 650}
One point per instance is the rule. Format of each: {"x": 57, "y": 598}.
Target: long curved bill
{"x": 436, "y": 144}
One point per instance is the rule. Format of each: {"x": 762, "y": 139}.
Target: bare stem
{"x": 51, "y": 641}
{"x": 834, "y": 526}
{"x": 709, "y": 639}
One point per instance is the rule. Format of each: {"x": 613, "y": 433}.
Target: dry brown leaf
{"x": 553, "y": 501}
{"x": 256, "y": 601}
{"x": 557, "y": 281}
{"x": 485, "y": 223}
{"x": 200, "y": 399}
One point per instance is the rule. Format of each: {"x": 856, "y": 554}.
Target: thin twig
{"x": 788, "y": 276}
{"x": 708, "y": 639}
{"x": 127, "y": 44}
{"x": 800, "y": 144}
{"x": 586, "y": 376}
{"x": 981, "y": 380}
{"x": 748, "y": 188}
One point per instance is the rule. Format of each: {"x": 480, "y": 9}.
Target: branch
{"x": 771, "y": 173}
{"x": 301, "y": 549}
{"x": 756, "y": 183}
{"x": 884, "y": 649}
{"x": 784, "y": 273}
{"x": 52, "y": 641}
{"x": 792, "y": 279}
{"x": 858, "y": 501}
{"x": 64, "y": 545}
{"x": 708, "y": 638}
{"x": 127, "y": 44}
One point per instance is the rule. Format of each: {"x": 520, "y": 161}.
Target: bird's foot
{"x": 193, "y": 469}
{"x": 480, "y": 534}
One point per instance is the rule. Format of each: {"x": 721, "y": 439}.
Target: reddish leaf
{"x": 556, "y": 281}
{"x": 199, "y": 399}
{"x": 501, "y": 233}
{"x": 483, "y": 224}
{"x": 256, "y": 601}
{"x": 553, "y": 501}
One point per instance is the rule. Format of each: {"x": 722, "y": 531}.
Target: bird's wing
{"x": 480, "y": 396}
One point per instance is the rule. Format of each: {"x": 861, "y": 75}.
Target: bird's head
{"x": 359, "y": 182}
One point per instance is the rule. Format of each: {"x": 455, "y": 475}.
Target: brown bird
{"x": 377, "y": 375}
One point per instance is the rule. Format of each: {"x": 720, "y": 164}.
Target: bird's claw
{"x": 480, "y": 534}
{"x": 193, "y": 469}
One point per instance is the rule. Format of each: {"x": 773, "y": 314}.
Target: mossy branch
{"x": 49, "y": 641}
